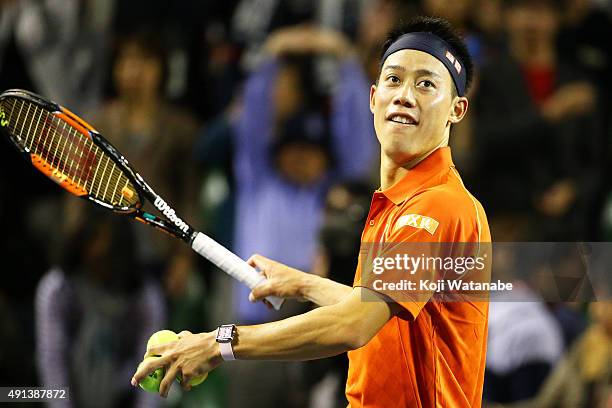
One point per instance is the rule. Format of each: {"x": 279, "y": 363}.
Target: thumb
{"x": 184, "y": 333}
{"x": 260, "y": 291}
{"x": 259, "y": 262}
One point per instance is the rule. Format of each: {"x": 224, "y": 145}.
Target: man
{"x": 287, "y": 150}
{"x": 552, "y": 124}
{"x": 402, "y": 353}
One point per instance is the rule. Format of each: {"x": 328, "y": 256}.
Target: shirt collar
{"x": 422, "y": 175}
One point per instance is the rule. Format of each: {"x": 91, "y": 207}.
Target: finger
{"x": 186, "y": 378}
{"x": 258, "y": 261}
{"x": 147, "y": 367}
{"x": 159, "y": 349}
{"x": 252, "y": 261}
{"x": 166, "y": 383}
{"x": 185, "y": 382}
{"x": 260, "y": 291}
{"x": 184, "y": 333}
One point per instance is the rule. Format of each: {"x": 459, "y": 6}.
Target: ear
{"x": 372, "y": 97}
{"x": 458, "y": 110}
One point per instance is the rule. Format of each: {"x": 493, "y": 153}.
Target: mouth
{"x": 402, "y": 119}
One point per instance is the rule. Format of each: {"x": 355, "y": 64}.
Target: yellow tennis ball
{"x": 161, "y": 337}
{"x": 194, "y": 381}
{"x": 167, "y": 336}
{"x": 152, "y": 381}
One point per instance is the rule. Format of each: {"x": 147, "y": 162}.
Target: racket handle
{"x": 231, "y": 264}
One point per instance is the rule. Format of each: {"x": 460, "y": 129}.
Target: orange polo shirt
{"x": 433, "y": 355}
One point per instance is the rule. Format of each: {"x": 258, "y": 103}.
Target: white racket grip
{"x": 231, "y": 264}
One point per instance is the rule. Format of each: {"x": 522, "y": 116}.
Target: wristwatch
{"x": 225, "y": 336}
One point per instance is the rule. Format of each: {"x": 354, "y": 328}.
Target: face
{"x": 413, "y": 105}
{"x": 302, "y": 163}
{"x": 532, "y": 22}
{"x": 137, "y": 74}
{"x": 97, "y": 252}
{"x": 457, "y": 11}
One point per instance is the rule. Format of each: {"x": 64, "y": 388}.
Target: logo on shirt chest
{"x": 418, "y": 221}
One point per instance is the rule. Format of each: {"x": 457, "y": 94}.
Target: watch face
{"x": 225, "y": 334}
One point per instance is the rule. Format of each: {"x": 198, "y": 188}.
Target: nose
{"x": 405, "y": 96}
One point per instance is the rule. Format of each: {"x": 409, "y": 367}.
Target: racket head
{"x": 68, "y": 150}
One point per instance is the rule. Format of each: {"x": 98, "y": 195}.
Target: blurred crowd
{"x": 251, "y": 118}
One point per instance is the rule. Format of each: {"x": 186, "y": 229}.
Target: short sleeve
{"x": 434, "y": 225}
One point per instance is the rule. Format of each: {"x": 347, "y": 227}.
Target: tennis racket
{"x": 74, "y": 155}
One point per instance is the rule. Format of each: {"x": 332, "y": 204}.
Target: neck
{"x": 140, "y": 114}
{"x": 140, "y": 103}
{"x": 537, "y": 53}
{"x": 391, "y": 172}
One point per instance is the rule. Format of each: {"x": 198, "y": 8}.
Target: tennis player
{"x": 402, "y": 353}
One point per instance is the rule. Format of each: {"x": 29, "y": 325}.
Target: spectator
{"x": 377, "y": 19}
{"x": 40, "y": 42}
{"x": 285, "y": 191}
{"x": 216, "y": 75}
{"x": 583, "y": 378}
{"x": 582, "y": 39}
{"x": 460, "y": 14}
{"x": 346, "y": 210}
{"x": 157, "y": 139}
{"x": 487, "y": 17}
{"x": 97, "y": 308}
{"x": 63, "y": 47}
{"x": 254, "y": 20}
{"x": 287, "y": 153}
{"x": 521, "y": 351}
{"x": 543, "y": 166}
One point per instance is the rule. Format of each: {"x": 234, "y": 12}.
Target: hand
{"x": 304, "y": 39}
{"x": 282, "y": 280}
{"x": 570, "y": 100}
{"x": 557, "y": 199}
{"x": 176, "y": 277}
{"x": 327, "y": 41}
{"x": 191, "y": 356}
{"x": 377, "y": 21}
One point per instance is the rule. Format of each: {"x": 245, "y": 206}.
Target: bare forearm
{"x": 323, "y": 291}
{"x": 323, "y": 332}
{"x": 317, "y": 334}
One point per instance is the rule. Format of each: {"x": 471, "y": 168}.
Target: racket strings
{"x": 70, "y": 153}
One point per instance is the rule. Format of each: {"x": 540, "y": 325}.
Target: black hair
{"x": 441, "y": 28}
{"x": 340, "y": 231}
{"x": 555, "y": 4}
{"x": 122, "y": 261}
{"x": 308, "y": 127}
{"x": 150, "y": 44}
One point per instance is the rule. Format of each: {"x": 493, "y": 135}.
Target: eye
{"x": 426, "y": 83}
{"x": 393, "y": 79}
